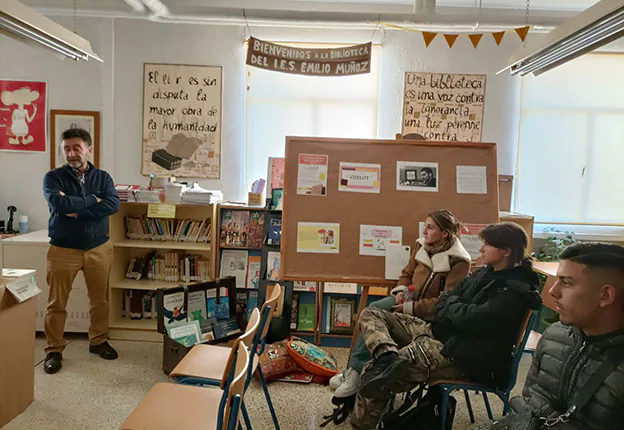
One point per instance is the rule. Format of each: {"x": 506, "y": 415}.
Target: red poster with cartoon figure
{"x": 23, "y": 108}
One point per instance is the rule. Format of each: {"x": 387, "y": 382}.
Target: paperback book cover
{"x": 273, "y": 266}
{"x": 197, "y": 305}
{"x": 304, "y": 286}
{"x": 256, "y": 229}
{"x": 174, "y": 310}
{"x": 186, "y": 333}
{"x": 253, "y": 271}
{"x": 252, "y": 302}
{"x": 211, "y": 303}
{"x": 306, "y": 317}
{"x": 275, "y": 232}
{"x": 234, "y": 263}
{"x": 294, "y": 311}
{"x": 226, "y": 328}
{"x": 235, "y": 228}
{"x": 223, "y": 309}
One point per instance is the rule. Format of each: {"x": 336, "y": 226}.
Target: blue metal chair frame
{"x": 256, "y": 350}
{"x": 502, "y": 393}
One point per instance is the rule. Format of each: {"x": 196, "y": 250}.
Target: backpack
{"x": 342, "y": 407}
{"x": 421, "y": 412}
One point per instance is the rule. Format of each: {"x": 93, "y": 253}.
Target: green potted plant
{"x": 549, "y": 251}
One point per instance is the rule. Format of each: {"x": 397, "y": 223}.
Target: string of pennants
{"x": 475, "y": 38}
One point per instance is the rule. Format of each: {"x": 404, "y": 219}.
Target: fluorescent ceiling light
{"x": 26, "y": 25}
{"x": 597, "y": 26}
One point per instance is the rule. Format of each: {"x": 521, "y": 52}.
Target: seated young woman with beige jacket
{"x": 438, "y": 263}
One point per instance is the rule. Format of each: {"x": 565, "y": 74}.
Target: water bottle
{"x": 23, "y": 224}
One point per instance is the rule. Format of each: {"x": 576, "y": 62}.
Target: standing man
{"x": 80, "y": 198}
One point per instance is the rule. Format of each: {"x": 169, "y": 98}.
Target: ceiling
{"x": 448, "y": 13}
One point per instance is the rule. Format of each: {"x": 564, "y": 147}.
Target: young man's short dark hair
{"x": 605, "y": 260}
{"x": 82, "y": 134}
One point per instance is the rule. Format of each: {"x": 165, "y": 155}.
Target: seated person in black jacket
{"x": 589, "y": 296}
{"x": 472, "y": 333}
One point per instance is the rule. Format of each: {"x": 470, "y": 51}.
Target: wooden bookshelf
{"x": 125, "y": 249}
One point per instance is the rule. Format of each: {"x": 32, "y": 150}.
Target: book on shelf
{"x": 253, "y": 271}
{"x": 306, "y": 317}
{"x": 235, "y": 228}
{"x": 161, "y": 229}
{"x": 342, "y": 312}
{"x": 294, "y": 311}
{"x": 275, "y": 174}
{"x": 252, "y": 302}
{"x": 340, "y": 288}
{"x": 256, "y": 229}
{"x": 234, "y": 263}
{"x": 273, "y": 266}
{"x": 304, "y": 286}
{"x": 138, "y": 304}
{"x": 170, "y": 266}
{"x": 274, "y": 236}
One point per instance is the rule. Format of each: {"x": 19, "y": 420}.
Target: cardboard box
{"x": 17, "y": 356}
{"x": 505, "y": 189}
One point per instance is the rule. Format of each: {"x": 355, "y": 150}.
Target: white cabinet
{"x": 28, "y": 251}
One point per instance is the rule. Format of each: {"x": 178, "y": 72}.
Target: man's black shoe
{"x": 387, "y": 370}
{"x": 104, "y": 350}
{"x": 52, "y": 362}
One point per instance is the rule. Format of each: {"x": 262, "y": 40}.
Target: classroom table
{"x": 550, "y": 270}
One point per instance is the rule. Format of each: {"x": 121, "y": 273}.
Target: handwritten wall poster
{"x": 182, "y": 121}
{"x": 345, "y": 61}
{"x": 471, "y": 240}
{"x": 375, "y": 238}
{"x": 397, "y": 257}
{"x": 471, "y": 180}
{"x": 359, "y": 177}
{"x": 312, "y": 174}
{"x": 442, "y": 106}
{"x": 23, "y": 112}
{"x": 275, "y": 175}
{"x": 319, "y": 238}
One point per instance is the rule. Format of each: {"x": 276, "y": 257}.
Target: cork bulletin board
{"x": 333, "y": 187}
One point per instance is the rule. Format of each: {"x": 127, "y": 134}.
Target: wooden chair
{"x": 447, "y": 386}
{"x": 203, "y": 365}
{"x": 171, "y": 406}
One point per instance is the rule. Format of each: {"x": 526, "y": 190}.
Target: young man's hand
{"x": 72, "y": 215}
{"x": 398, "y": 308}
{"x": 99, "y": 200}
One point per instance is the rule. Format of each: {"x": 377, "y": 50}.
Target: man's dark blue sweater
{"x": 89, "y": 228}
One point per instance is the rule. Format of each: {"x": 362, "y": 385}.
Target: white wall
{"x": 115, "y": 89}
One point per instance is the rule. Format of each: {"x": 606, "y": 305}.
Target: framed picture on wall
{"x": 61, "y": 120}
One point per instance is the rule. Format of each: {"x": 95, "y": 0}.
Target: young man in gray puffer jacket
{"x": 589, "y": 296}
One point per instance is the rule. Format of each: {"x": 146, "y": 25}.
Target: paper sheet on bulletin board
{"x": 444, "y": 107}
{"x": 182, "y": 121}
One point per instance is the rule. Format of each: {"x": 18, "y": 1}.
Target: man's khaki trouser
{"x": 63, "y": 266}
{"x": 412, "y": 339}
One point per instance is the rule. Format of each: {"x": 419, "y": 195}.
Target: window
{"x": 571, "y": 150}
{"x": 281, "y": 104}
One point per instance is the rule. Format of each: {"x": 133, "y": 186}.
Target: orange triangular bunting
{"x": 450, "y": 39}
{"x": 428, "y": 36}
{"x": 522, "y": 32}
{"x": 475, "y": 39}
{"x": 498, "y": 36}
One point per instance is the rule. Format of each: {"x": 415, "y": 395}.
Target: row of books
{"x": 301, "y": 314}
{"x": 241, "y": 229}
{"x": 170, "y": 266}
{"x": 179, "y": 230}
{"x": 138, "y": 304}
